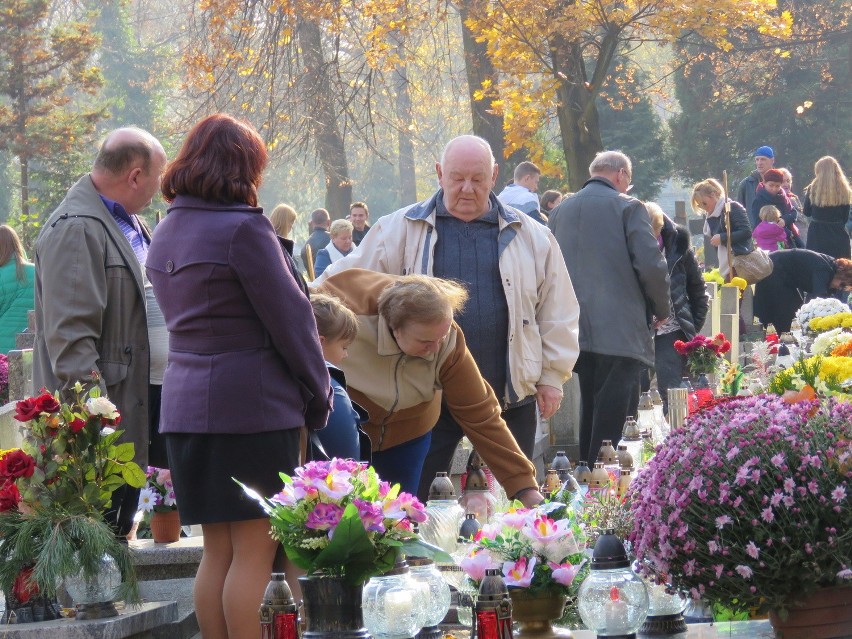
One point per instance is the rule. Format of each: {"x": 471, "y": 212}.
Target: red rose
{"x": 16, "y": 464}
{"x": 27, "y": 409}
{"x": 46, "y": 403}
{"x": 10, "y": 497}
{"x": 77, "y": 425}
{"x": 24, "y": 587}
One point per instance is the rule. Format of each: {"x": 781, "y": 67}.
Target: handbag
{"x": 753, "y": 266}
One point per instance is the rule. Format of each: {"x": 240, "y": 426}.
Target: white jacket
{"x": 543, "y": 311}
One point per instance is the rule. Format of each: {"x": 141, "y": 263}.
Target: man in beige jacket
{"x": 521, "y": 323}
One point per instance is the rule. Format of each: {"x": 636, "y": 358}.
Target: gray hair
{"x": 340, "y": 226}
{"x": 610, "y": 162}
{"x": 481, "y": 142}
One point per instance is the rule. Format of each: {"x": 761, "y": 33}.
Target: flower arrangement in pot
{"x": 157, "y": 500}
{"x": 747, "y": 505}
{"x": 540, "y": 553}
{"x": 703, "y": 354}
{"x": 54, "y": 489}
{"x": 342, "y": 524}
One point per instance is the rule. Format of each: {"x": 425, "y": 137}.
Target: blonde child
{"x": 769, "y": 234}
{"x": 337, "y": 327}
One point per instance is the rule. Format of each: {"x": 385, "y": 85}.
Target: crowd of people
{"x": 229, "y": 356}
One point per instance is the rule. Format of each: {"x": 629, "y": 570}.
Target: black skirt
{"x": 203, "y": 467}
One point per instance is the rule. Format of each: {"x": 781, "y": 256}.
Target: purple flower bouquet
{"x": 338, "y": 518}
{"x": 748, "y": 504}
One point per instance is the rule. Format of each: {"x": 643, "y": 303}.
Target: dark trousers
{"x": 125, "y": 503}
{"x": 609, "y": 392}
{"x": 447, "y": 434}
{"x": 157, "y": 455}
{"x": 669, "y": 366}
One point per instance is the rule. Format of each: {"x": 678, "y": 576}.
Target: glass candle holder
{"x": 390, "y": 608}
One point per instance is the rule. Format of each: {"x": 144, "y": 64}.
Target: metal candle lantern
{"x": 279, "y": 614}
{"x": 613, "y": 601}
{"x": 678, "y": 406}
{"x": 493, "y": 608}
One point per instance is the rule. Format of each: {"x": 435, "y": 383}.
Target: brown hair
{"x": 11, "y": 248}
{"x": 421, "y": 299}
{"x": 547, "y": 197}
{"x": 283, "y": 217}
{"x": 360, "y": 205}
{"x": 843, "y": 272}
{"x": 222, "y": 159}
{"x": 524, "y": 169}
{"x": 334, "y": 320}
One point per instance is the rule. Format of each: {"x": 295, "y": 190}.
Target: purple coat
{"x": 244, "y": 356}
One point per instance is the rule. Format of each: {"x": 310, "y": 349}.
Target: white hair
{"x": 478, "y": 141}
{"x": 610, "y": 162}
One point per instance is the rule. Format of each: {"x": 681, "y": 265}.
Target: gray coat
{"x": 619, "y": 275}
{"x": 90, "y": 310}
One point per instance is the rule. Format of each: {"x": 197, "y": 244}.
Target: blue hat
{"x": 765, "y": 152}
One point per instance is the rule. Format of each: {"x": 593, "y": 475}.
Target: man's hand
{"x": 716, "y": 240}
{"x": 549, "y": 399}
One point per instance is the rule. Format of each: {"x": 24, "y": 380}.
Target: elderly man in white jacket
{"x": 521, "y": 323}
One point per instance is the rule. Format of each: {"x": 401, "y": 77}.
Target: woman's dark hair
{"x": 12, "y": 249}
{"x": 547, "y": 198}
{"x": 843, "y": 273}
{"x": 222, "y": 160}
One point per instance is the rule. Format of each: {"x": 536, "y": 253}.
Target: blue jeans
{"x": 402, "y": 464}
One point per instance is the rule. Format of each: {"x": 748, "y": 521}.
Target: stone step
{"x": 167, "y": 572}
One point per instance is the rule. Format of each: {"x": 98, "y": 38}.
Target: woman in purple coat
{"x": 245, "y": 368}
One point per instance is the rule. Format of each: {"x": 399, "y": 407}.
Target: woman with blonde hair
{"x": 708, "y": 198}
{"x": 17, "y": 286}
{"x": 283, "y": 217}
{"x": 828, "y": 202}
{"x": 408, "y": 356}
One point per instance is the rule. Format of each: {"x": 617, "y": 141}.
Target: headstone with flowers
{"x": 53, "y": 491}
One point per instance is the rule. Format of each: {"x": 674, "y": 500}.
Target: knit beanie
{"x": 773, "y": 175}
{"x": 764, "y": 152}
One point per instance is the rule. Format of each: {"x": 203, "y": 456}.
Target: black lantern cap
{"x": 609, "y": 552}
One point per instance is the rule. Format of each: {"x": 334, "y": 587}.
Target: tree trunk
{"x": 486, "y": 123}
{"x": 576, "y": 111}
{"x": 329, "y": 142}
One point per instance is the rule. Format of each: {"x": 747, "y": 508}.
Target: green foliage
{"x": 630, "y": 123}
{"x": 43, "y": 67}
{"x": 794, "y": 97}
{"x": 59, "y": 545}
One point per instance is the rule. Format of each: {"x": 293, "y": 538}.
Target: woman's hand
{"x": 780, "y": 223}
{"x": 716, "y": 240}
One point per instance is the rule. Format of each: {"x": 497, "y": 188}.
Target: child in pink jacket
{"x": 768, "y": 235}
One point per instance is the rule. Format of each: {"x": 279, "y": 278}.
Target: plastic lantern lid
{"x": 441, "y": 488}
{"x": 609, "y": 553}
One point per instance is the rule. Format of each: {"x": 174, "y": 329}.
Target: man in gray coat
{"x": 90, "y": 304}
{"x": 621, "y": 281}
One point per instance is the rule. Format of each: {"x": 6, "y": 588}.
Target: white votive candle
{"x": 398, "y": 604}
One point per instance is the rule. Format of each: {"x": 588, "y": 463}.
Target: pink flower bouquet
{"x": 159, "y": 493}
{"x": 538, "y": 549}
{"x": 338, "y": 518}
{"x": 748, "y": 504}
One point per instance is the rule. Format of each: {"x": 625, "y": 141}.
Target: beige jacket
{"x": 403, "y": 394}
{"x": 543, "y": 310}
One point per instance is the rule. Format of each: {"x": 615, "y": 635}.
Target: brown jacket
{"x": 403, "y": 393}
{"x": 90, "y": 310}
